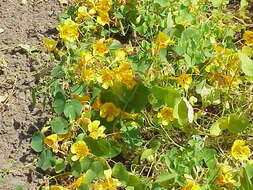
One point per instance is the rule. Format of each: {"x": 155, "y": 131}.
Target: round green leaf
{"x": 247, "y": 64}
{"x": 37, "y": 142}
{"x": 46, "y": 159}
{"x": 59, "y": 125}
{"x": 103, "y": 148}
{"x": 59, "y": 102}
{"x": 237, "y": 123}
{"x": 72, "y": 109}
{"x": 59, "y": 165}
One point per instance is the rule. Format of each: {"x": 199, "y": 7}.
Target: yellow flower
{"x": 82, "y": 13}
{"x": 50, "y": 44}
{"x": 77, "y": 183}
{"x": 84, "y": 120}
{"x": 248, "y": 37}
{"x": 184, "y": 80}
{"x": 80, "y": 149}
{"x": 125, "y": 74}
{"x": 109, "y": 111}
{"x": 163, "y": 40}
{"x": 64, "y": 137}
{"x": 57, "y": 187}
{"x": 103, "y": 5}
{"x": 222, "y": 80}
{"x": 97, "y": 103}
{"x": 82, "y": 99}
{"x": 120, "y": 56}
{"x": 52, "y": 142}
{"x": 103, "y": 18}
{"x": 106, "y": 78}
{"x": 109, "y": 182}
{"x": 98, "y": 186}
{"x": 129, "y": 48}
{"x": 129, "y": 115}
{"x": 225, "y": 176}
{"x": 166, "y": 115}
{"x": 99, "y": 48}
{"x": 86, "y": 58}
{"x": 191, "y": 185}
{"x": 68, "y": 31}
{"x": 88, "y": 75}
{"x": 95, "y": 130}
{"x": 240, "y": 151}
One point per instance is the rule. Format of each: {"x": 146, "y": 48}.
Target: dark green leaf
{"x": 213, "y": 175}
{"x": 209, "y": 157}
{"x": 103, "y": 148}
{"x": 131, "y": 135}
{"x": 138, "y": 99}
{"x": 84, "y": 187}
{"x": 59, "y": 102}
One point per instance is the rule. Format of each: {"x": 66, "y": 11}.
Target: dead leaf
{"x": 3, "y": 98}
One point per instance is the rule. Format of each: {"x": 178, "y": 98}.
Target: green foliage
{"x": 37, "y": 141}
{"x": 46, "y": 159}
{"x": 149, "y": 95}
{"x": 103, "y": 148}
{"x": 72, "y": 109}
{"x": 59, "y": 102}
{"x": 59, "y": 125}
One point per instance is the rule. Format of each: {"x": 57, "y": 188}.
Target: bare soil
{"x": 26, "y": 24}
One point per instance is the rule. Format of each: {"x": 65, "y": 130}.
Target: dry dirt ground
{"x": 26, "y": 24}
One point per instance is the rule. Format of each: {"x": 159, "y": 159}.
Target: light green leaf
{"x": 183, "y": 112}
{"x": 218, "y": 126}
{"x": 1, "y": 180}
{"x": 37, "y": 142}
{"x": 162, "y": 3}
{"x": 72, "y": 109}
{"x": 146, "y": 154}
{"x": 237, "y": 123}
{"x": 215, "y": 130}
{"x": 162, "y": 178}
{"x": 115, "y": 45}
{"x": 59, "y": 125}
{"x": 164, "y": 96}
{"x": 59, "y": 165}
{"x": 246, "y": 64}
{"x": 19, "y": 188}
{"x": 46, "y": 159}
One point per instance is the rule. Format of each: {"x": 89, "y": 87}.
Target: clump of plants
{"x": 149, "y": 95}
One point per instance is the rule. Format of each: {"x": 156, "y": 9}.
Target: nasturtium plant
{"x": 37, "y": 141}
{"x": 59, "y": 125}
{"x": 149, "y": 95}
